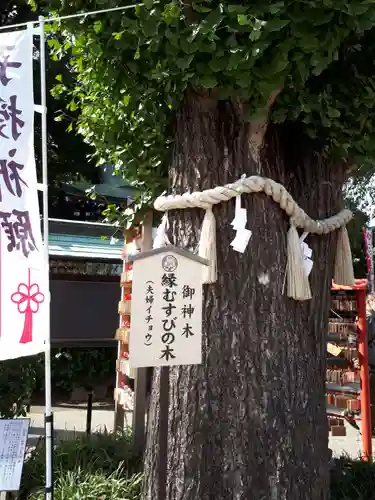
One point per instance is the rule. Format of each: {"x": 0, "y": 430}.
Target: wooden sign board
{"x": 166, "y": 308}
{"x": 13, "y": 439}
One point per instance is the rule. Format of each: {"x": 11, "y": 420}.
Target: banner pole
{"x": 372, "y": 261}
{"x": 47, "y": 365}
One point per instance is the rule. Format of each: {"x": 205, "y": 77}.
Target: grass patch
{"x": 103, "y": 462}
{"x": 103, "y": 467}
{"x": 94, "y": 485}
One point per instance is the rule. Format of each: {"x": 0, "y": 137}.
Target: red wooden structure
{"x": 346, "y": 390}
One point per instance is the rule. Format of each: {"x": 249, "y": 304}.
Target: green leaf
{"x": 279, "y": 63}
{"x": 276, "y": 24}
{"x": 59, "y": 77}
{"x": 302, "y": 69}
{"x": 243, "y": 80}
{"x": 234, "y": 59}
{"x": 171, "y": 13}
{"x": 333, "y": 113}
{"x": 276, "y": 7}
{"x": 218, "y": 63}
{"x": 236, "y": 9}
{"x": 188, "y": 47}
{"x": 309, "y": 43}
{"x": 148, "y": 4}
{"x": 200, "y": 8}
{"x": 132, "y": 66}
{"x": 73, "y": 105}
{"x": 53, "y": 43}
{"x": 98, "y": 25}
{"x": 184, "y": 63}
{"x": 213, "y": 20}
{"x": 117, "y": 35}
{"x": 357, "y": 9}
{"x": 255, "y": 35}
{"x": 150, "y": 26}
{"x": 266, "y": 88}
{"x": 243, "y": 20}
{"x": 208, "y": 81}
{"x": 173, "y": 38}
{"x": 321, "y": 16}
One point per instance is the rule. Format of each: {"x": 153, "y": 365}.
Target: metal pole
{"x": 47, "y": 364}
{"x": 372, "y": 261}
{"x": 365, "y": 376}
{"x": 89, "y": 412}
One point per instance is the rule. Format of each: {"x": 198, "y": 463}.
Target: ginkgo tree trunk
{"x": 250, "y": 421}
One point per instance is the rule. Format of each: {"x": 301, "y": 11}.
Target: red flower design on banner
{"x": 28, "y": 298}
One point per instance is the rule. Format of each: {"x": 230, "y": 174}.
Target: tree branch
{"x": 258, "y": 127}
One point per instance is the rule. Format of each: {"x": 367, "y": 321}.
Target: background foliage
{"x": 23, "y": 379}
{"x": 67, "y": 152}
{"x": 17, "y": 383}
{"x": 132, "y": 70}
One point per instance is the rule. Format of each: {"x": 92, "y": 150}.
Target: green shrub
{"x": 17, "y": 383}
{"x": 71, "y": 368}
{"x": 78, "y": 367}
{"x": 79, "y": 484}
{"x": 352, "y": 480}
{"x": 102, "y": 454}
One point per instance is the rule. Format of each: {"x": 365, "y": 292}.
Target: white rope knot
{"x": 298, "y": 285}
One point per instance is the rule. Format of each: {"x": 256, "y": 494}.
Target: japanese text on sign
{"x": 149, "y": 299}
{"x": 24, "y": 309}
{"x": 166, "y": 315}
{"x": 13, "y": 438}
{"x": 19, "y": 217}
{"x": 169, "y": 283}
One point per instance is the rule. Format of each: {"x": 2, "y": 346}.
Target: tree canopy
{"x": 132, "y": 69}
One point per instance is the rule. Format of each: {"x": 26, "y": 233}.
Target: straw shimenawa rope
{"x": 298, "y": 285}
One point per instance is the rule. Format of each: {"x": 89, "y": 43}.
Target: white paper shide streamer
{"x": 307, "y": 254}
{"x": 161, "y": 239}
{"x": 243, "y": 235}
{"x": 24, "y": 294}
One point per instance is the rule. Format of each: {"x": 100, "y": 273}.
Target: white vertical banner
{"x": 24, "y": 284}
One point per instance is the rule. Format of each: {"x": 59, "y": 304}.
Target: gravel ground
{"x": 70, "y": 420}
{"x": 350, "y": 445}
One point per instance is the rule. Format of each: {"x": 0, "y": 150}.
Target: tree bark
{"x": 250, "y": 422}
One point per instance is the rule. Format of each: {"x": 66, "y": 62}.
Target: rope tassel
{"x": 207, "y": 247}
{"x": 298, "y": 287}
{"x": 344, "y": 274}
